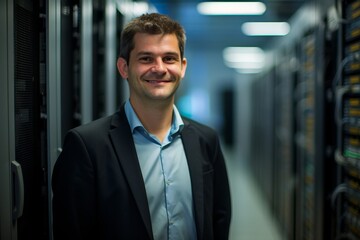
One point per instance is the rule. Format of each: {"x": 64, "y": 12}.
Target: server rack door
{"x": 7, "y": 225}
{"x": 30, "y": 120}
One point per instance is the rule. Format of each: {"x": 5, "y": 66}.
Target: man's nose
{"x": 159, "y": 66}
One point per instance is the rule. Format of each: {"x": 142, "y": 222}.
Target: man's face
{"x": 155, "y": 67}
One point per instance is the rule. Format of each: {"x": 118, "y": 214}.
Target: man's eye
{"x": 170, "y": 59}
{"x": 145, "y": 59}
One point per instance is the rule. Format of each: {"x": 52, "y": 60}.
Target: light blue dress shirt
{"x": 167, "y": 181}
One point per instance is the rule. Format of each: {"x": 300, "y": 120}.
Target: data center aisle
{"x": 251, "y": 218}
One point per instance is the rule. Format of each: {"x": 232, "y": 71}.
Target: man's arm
{"x": 222, "y": 201}
{"x": 73, "y": 192}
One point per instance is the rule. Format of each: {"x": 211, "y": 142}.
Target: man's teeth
{"x": 154, "y": 81}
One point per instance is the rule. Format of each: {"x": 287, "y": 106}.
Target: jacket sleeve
{"x": 73, "y": 181}
{"x": 222, "y": 200}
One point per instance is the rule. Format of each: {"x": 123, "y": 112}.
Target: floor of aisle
{"x": 251, "y": 217}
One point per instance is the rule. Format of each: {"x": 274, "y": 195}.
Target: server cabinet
{"x": 262, "y": 128}
{"x": 90, "y": 33}
{"x": 305, "y": 133}
{"x": 106, "y": 29}
{"x": 284, "y": 161}
{"x": 7, "y": 225}
{"x": 303, "y": 172}
{"x": 347, "y": 84}
{"x": 314, "y": 119}
{"x": 29, "y": 128}
{"x": 28, "y": 147}
{"x": 330, "y": 169}
{"x": 26, "y": 180}
{"x": 30, "y": 116}
{"x": 70, "y": 65}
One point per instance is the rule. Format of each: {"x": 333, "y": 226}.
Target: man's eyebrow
{"x": 173, "y": 53}
{"x": 151, "y": 53}
{"x": 144, "y": 53}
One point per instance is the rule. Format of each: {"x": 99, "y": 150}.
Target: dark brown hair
{"x": 153, "y": 23}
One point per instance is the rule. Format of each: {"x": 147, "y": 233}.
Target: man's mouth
{"x": 157, "y": 81}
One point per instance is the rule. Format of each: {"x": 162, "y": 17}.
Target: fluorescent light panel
{"x": 266, "y": 28}
{"x": 246, "y": 59}
{"x": 231, "y": 8}
{"x": 135, "y": 8}
{"x": 243, "y": 54}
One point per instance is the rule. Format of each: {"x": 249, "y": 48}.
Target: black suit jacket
{"x": 99, "y": 192}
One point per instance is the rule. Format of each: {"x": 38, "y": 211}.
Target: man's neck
{"x": 156, "y": 117}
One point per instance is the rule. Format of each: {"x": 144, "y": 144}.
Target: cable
{"x": 342, "y": 188}
{"x": 354, "y": 56}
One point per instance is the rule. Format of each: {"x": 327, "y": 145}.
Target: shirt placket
{"x": 167, "y": 186}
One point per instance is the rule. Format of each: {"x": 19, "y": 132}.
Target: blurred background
{"x": 277, "y": 79}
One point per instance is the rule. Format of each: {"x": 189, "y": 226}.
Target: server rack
{"x": 328, "y": 62}
{"x": 8, "y": 226}
{"x": 262, "y": 160}
{"x": 30, "y": 112}
{"x": 304, "y": 171}
{"x": 347, "y": 85}
{"x": 314, "y": 138}
{"x": 284, "y": 160}
{"x": 90, "y": 33}
{"x": 70, "y": 65}
{"x": 29, "y": 67}
{"x": 305, "y": 110}
{"x": 40, "y": 85}
{"x": 107, "y": 26}
{"x": 98, "y": 58}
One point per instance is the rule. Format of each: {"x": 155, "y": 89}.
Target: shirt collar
{"x": 176, "y": 126}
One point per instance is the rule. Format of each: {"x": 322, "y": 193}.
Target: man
{"x": 145, "y": 172}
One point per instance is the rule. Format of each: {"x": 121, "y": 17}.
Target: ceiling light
{"x": 266, "y": 28}
{"x": 231, "y": 8}
{"x": 245, "y": 65}
{"x": 243, "y": 54}
{"x": 135, "y": 8}
{"x": 244, "y": 58}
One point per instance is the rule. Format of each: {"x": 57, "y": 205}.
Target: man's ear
{"x": 183, "y": 67}
{"x": 122, "y": 67}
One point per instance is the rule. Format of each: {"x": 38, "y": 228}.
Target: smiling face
{"x": 155, "y": 68}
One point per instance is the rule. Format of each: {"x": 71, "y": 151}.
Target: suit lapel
{"x": 193, "y": 155}
{"x": 125, "y": 149}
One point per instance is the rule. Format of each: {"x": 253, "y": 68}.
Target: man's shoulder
{"x": 97, "y": 125}
{"x": 93, "y": 133}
